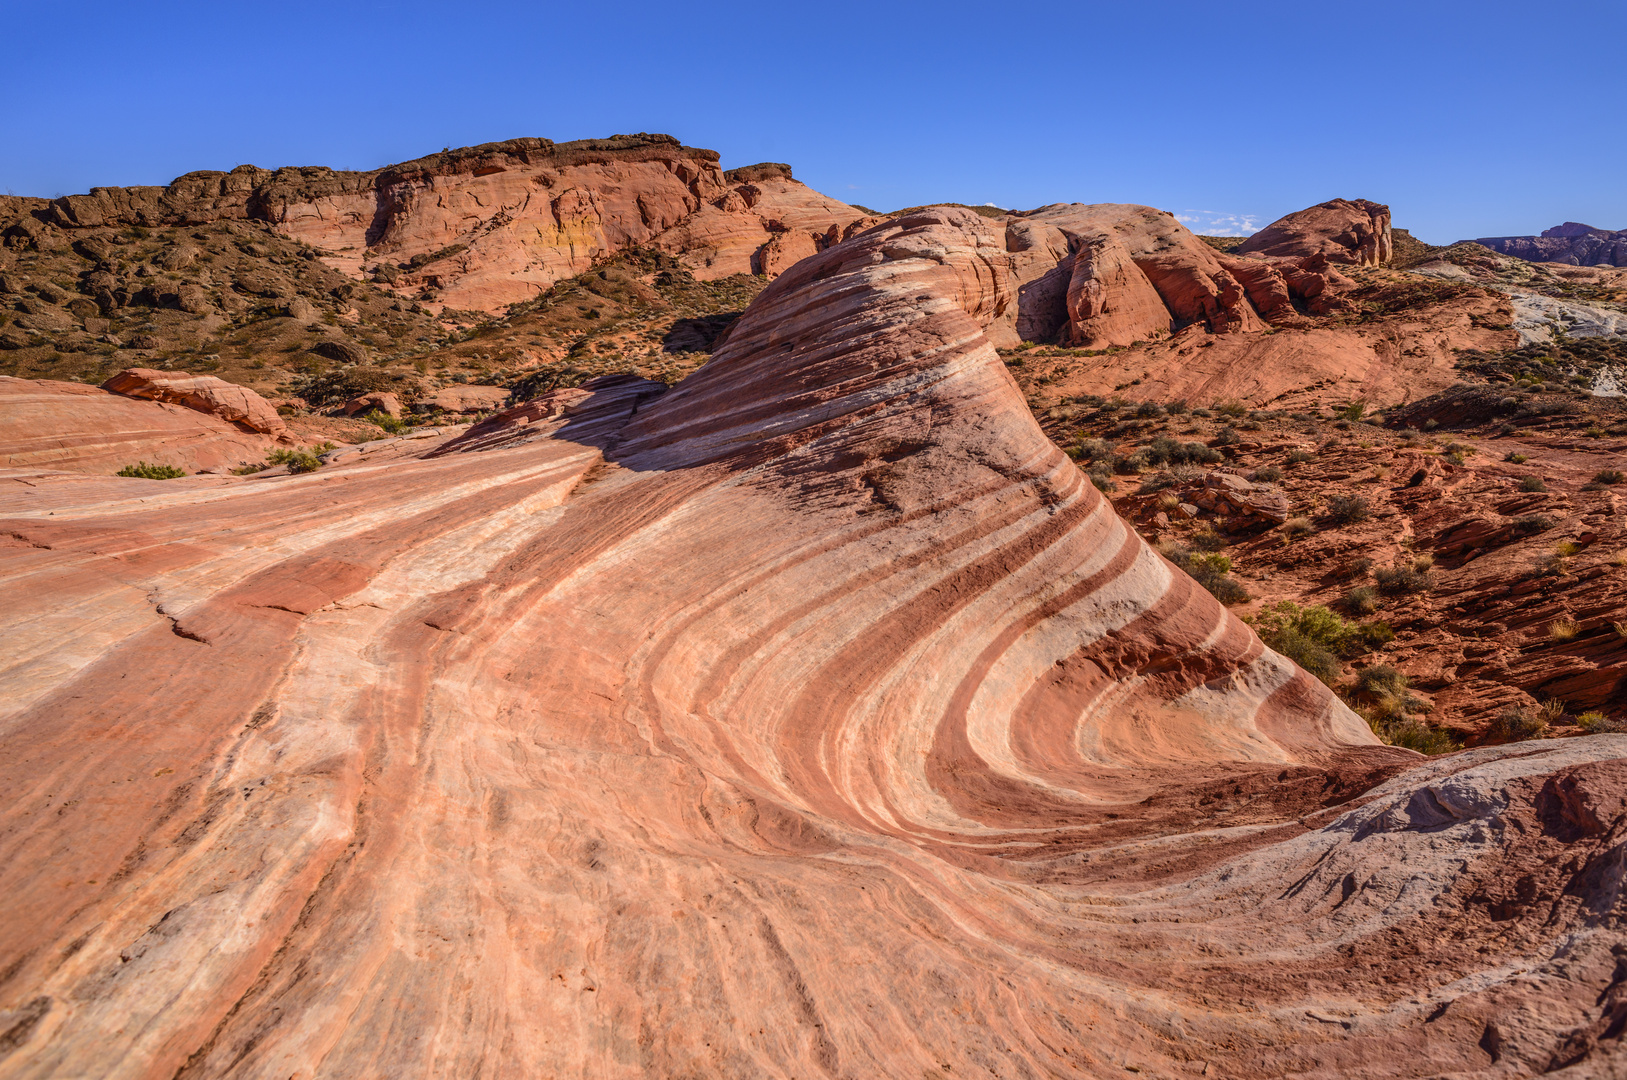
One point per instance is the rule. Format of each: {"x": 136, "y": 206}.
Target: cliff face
{"x": 487, "y": 226}
{"x": 1572, "y": 243}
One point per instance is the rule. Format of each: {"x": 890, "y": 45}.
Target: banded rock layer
{"x": 811, "y": 718}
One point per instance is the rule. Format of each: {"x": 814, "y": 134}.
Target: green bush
{"x": 1227, "y": 436}
{"x": 1230, "y": 407}
{"x": 1415, "y": 735}
{"x": 1532, "y": 483}
{"x": 298, "y": 461}
{"x": 1609, "y": 476}
{"x": 1212, "y": 571}
{"x": 391, "y": 424}
{"x": 148, "y": 471}
{"x": 1516, "y": 457}
{"x": 1267, "y": 474}
{"x": 1176, "y": 408}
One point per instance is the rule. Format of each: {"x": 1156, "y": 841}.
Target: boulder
{"x": 465, "y": 399}
{"x": 205, "y": 393}
{"x": 386, "y": 403}
{"x": 1343, "y": 230}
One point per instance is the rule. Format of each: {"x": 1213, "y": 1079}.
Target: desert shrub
{"x": 1358, "y": 567}
{"x": 1149, "y": 410}
{"x": 1212, "y": 571}
{"x": 338, "y": 387}
{"x": 391, "y": 424}
{"x": 1532, "y": 483}
{"x": 1169, "y": 502}
{"x": 1376, "y": 634}
{"x": 1531, "y": 524}
{"x": 1514, "y": 724}
{"x": 1202, "y": 412}
{"x": 1177, "y": 407}
{"x": 1597, "y": 723}
{"x": 1230, "y": 407}
{"x": 1091, "y": 449}
{"x": 1415, "y": 735}
{"x": 298, "y": 461}
{"x": 1300, "y": 457}
{"x": 1564, "y": 629}
{"x": 147, "y": 470}
{"x": 1267, "y": 474}
{"x": 1402, "y": 577}
{"x": 1380, "y": 679}
{"x": 1516, "y": 457}
{"x": 1348, "y": 509}
{"x": 1102, "y": 477}
{"x": 1313, "y": 637}
{"x": 1297, "y": 526}
{"x": 1206, "y": 539}
{"x": 1609, "y": 476}
{"x": 1166, "y": 451}
{"x": 1431, "y": 425}
{"x": 1353, "y": 411}
{"x": 1227, "y": 436}
{"x": 1363, "y": 600}
{"x": 1566, "y": 548}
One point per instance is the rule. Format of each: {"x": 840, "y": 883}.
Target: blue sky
{"x": 1469, "y": 119}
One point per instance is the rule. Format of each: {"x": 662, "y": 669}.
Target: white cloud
{"x": 1218, "y": 223}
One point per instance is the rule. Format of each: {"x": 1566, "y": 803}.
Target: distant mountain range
{"x": 1572, "y": 242}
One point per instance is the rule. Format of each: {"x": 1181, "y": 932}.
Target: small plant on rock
{"x": 1515, "y": 724}
{"x": 1212, "y": 571}
{"x": 1609, "y": 476}
{"x": 1532, "y": 483}
{"x": 1267, "y": 474}
{"x": 1300, "y": 457}
{"x": 1348, "y": 509}
{"x": 146, "y": 470}
{"x": 1564, "y": 629}
{"x": 1531, "y": 524}
{"x": 298, "y": 461}
{"x": 1296, "y": 527}
{"x": 1402, "y": 577}
{"x": 1516, "y": 458}
{"x": 1363, "y": 600}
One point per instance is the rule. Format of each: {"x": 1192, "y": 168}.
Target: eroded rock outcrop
{"x": 51, "y": 425}
{"x": 1341, "y": 231}
{"x": 230, "y": 402}
{"x": 487, "y": 226}
{"x": 813, "y": 717}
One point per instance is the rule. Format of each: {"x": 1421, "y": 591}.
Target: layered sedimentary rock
{"x": 232, "y": 403}
{"x": 487, "y": 226}
{"x": 1342, "y": 231}
{"x": 45, "y": 424}
{"x": 815, "y": 717}
{"x": 1571, "y": 243}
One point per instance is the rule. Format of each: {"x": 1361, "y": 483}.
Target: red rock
{"x": 815, "y": 717}
{"x": 386, "y": 403}
{"x": 465, "y": 398}
{"x": 488, "y": 226}
{"x": 229, "y": 401}
{"x": 1343, "y": 231}
{"x": 46, "y": 424}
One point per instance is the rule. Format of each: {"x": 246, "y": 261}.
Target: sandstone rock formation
{"x": 813, "y": 717}
{"x": 1342, "y": 231}
{"x": 487, "y": 226}
{"x": 205, "y": 393}
{"x": 52, "y": 425}
{"x": 1572, "y": 243}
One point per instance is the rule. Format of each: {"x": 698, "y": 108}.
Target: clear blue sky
{"x": 1470, "y": 119}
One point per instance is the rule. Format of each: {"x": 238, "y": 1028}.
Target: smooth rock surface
{"x": 815, "y": 717}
